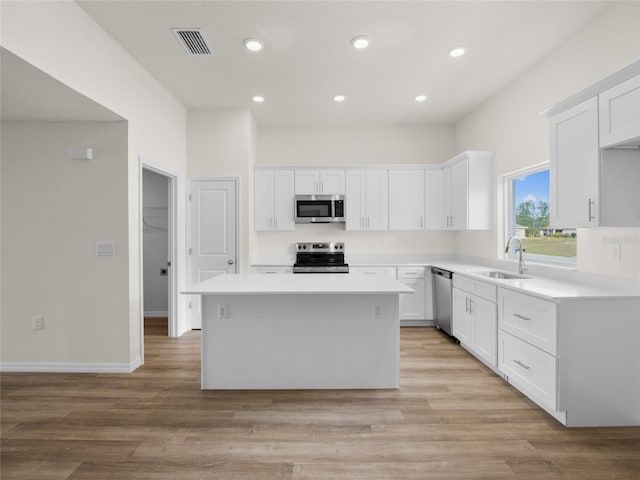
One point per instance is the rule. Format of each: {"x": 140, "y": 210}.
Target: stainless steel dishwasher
{"x": 442, "y": 298}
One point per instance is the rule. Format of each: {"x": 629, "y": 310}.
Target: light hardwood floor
{"x": 451, "y": 419}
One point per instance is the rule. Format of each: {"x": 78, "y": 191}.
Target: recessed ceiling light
{"x": 457, "y": 52}
{"x": 360, "y": 42}
{"x": 258, "y": 99}
{"x": 420, "y": 98}
{"x": 339, "y": 98}
{"x": 253, "y": 44}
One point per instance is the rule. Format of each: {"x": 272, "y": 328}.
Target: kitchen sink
{"x": 503, "y": 275}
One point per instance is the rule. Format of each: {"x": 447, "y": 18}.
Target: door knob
{"x": 230, "y": 262}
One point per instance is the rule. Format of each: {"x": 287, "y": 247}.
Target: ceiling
{"x": 308, "y": 58}
{"x": 27, "y": 94}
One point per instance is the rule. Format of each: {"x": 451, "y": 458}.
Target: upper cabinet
{"x": 456, "y": 195}
{"x": 468, "y": 192}
{"x": 313, "y": 181}
{"x": 595, "y": 159}
{"x": 368, "y": 204}
{"x": 574, "y": 159}
{"x": 406, "y": 199}
{"x": 620, "y": 114}
{"x": 433, "y": 199}
{"x": 274, "y": 194}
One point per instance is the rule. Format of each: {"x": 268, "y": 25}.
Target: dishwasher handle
{"x": 441, "y": 272}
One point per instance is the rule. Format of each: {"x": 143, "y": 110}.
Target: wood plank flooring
{"x": 451, "y": 419}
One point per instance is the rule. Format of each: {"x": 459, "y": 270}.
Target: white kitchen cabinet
{"x": 433, "y": 199}
{"x": 461, "y": 324}
{"x": 389, "y": 271}
{"x": 619, "y": 114}
{"x": 475, "y": 318}
{"x": 468, "y": 192}
{"x": 574, "y": 164}
{"x": 582, "y": 370}
{"x": 316, "y": 181}
{"x": 406, "y": 199}
{"x": 367, "y": 204}
{"x": 412, "y": 306}
{"x": 273, "y": 200}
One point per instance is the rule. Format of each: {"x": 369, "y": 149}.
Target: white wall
{"x": 46, "y": 34}
{"x": 221, "y": 143}
{"x": 321, "y": 145}
{"x": 54, "y": 210}
{"x": 353, "y": 145}
{"x": 155, "y": 203}
{"x": 510, "y": 125}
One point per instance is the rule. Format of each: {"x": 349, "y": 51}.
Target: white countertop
{"x": 546, "y": 283}
{"x": 307, "y": 283}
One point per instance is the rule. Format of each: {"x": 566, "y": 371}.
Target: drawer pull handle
{"x": 523, "y": 365}
{"x": 523, "y": 317}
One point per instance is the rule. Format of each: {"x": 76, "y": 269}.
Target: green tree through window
{"x": 528, "y": 206}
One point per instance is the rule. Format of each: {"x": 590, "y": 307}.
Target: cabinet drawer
{"x": 529, "y": 369}
{"x": 481, "y": 289}
{"x": 389, "y": 271}
{"x": 529, "y": 318}
{"x": 410, "y": 272}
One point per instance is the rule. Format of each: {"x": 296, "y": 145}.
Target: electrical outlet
{"x": 377, "y": 311}
{"x": 38, "y": 322}
{"x": 223, "y": 310}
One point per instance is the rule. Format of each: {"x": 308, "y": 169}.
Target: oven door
{"x": 313, "y": 210}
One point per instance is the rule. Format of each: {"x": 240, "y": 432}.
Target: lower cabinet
{"x": 475, "y": 318}
{"x": 577, "y": 358}
{"x": 416, "y": 309}
{"x": 412, "y": 306}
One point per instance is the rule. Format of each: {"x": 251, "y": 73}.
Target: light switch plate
{"x": 105, "y": 249}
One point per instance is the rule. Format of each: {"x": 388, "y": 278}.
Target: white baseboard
{"x": 154, "y": 314}
{"x": 417, "y": 323}
{"x": 42, "y": 367}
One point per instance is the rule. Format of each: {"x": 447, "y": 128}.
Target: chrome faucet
{"x": 522, "y": 267}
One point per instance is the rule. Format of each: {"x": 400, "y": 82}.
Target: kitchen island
{"x": 306, "y": 331}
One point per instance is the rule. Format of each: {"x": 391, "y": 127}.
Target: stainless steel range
{"x": 326, "y": 257}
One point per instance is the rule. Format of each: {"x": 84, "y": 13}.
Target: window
{"x": 527, "y": 216}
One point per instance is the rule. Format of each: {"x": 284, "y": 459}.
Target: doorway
{"x": 158, "y": 251}
{"x": 213, "y": 234}
{"x": 155, "y": 250}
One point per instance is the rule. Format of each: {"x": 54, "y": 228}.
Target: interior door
{"x": 212, "y": 241}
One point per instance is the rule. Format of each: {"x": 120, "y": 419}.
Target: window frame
{"x": 510, "y": 219}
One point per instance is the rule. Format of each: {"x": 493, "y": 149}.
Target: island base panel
{"x": 300, "y": 341}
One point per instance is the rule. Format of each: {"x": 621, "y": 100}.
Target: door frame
{"x": 172, "y": 237}
{"x": 190, "y": 182}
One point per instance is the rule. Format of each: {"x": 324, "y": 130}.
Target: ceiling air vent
{"x": 192, "y": 40}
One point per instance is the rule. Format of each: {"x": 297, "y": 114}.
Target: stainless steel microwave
{"x": 319, "y": 209}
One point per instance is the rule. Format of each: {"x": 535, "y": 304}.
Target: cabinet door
{"x": 460, "y": 316}
{"x": 433, "y": 200}
{"x": 377, "y": 200}
{"x": 412, "y": 304}
{"x": 406, "y": 199}
{"x": 620, "y": 113}
{"x": 446, "y": 198}
{"x": 332, "y": 181}
{"x": 459, "y": 191}
{"x": 484, "y": 325}
{"x": 307, "y": 182}
{"x": 355, "y": 200}
{"x": 283, "y": 200}
{"x": 574, "y": 166}
{"x": 263, "y": 200}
